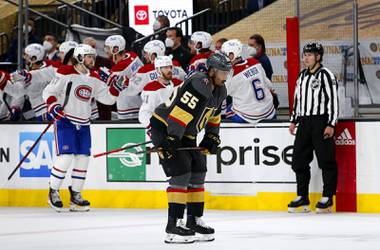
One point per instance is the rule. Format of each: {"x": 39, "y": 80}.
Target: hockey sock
{"x": 79, "y": 172}
{"x": 195, "y": 201}
{"x": 58, "y": 172}
{"x": 177, "y": 202}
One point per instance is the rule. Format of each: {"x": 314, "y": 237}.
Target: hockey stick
{"x": 68, "y": 89}
{"x": 120, "y": 149}
{"x": 155, "y": 150}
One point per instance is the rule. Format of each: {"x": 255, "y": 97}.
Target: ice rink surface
{"x": 42, "y": 228}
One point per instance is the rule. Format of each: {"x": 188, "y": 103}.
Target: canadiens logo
{"x": 345, "y": 138}
{"x": 83, "y": 93}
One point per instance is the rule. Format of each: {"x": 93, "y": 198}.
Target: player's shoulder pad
{"x": 146, "y": 68}
{"x": 199, "y": 56}
{"x": 67, "y": 70}
{"x": 48, "y": 62}
{"x": 153, "y": 86}
{"x": 56, "y": 64}
{"x": 176, "y": 63}
{"x": 132, "y": 55}
{"x": 120, "y": 66}
{"x": 176, "y": 82}
{"x": 248, "y": 63}
{"x": 200, "y": 82}
{"x": 252, "y": 61}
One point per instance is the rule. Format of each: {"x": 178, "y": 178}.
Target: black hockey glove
{"x": 168, "y": 147}
{"x": 210, "y": 142}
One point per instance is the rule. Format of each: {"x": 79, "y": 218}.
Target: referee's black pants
{"x": 309, "y": 137}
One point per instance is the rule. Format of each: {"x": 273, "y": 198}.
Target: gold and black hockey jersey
{"x": 192, "y": 107}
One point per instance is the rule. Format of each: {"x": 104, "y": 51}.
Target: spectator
{"x": 51, "y": 47}
{"x": 100, "y": 61}
{"x": 257, "y": 42}
{"x": 219, "y": 43}
{"x": 104, "y": 110}
{"x": 174, "y": 46}
{"x": 32, "y": 38}
{"x": 160, "y": 23}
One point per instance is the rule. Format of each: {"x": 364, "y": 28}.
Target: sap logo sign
{"x": 40, "y": 160}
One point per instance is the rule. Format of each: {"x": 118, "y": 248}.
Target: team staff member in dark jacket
{"x": 316, "y": 112}
{"x": 176, "y": 123}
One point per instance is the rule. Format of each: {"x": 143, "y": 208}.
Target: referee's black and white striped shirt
{"x": 316, "y": 94}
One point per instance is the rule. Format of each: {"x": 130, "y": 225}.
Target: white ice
{"x": 42, "y": 228}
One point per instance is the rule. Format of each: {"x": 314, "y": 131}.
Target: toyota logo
{"x": 141, "y": 15}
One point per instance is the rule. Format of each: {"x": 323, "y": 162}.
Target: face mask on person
{"x": 169, "y": 43}
{"x": 156, "y": 25}
{"x": 26, "y": 29}
{"x": 47, "y": 45}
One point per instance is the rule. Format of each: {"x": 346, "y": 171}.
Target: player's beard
{"x": 168, "y": 76}
{"x": 91, "y": 65}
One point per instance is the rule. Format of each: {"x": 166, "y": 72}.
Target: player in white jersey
{"x": 250, "y": 89}
{"x": 201, "y": 41}
{"x": 32, "y": 83}
{"x": 10, "y": 107}
{"x": 126, "y": 65}
{"x": 68, "y": 98}
{"x": 148, "y": 73}
{"x": 159, "y": 90}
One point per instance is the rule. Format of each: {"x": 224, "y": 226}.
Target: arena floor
{"x": 42, "y": 228}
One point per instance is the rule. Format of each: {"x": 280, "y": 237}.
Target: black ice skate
{"x": 177, "y": 232}
{"x": 202, "y": 232}
{"x": 299, "y": 205}
{"x": 77, "y": 203}
{"x": 324, "y": 205}
{"x": 54, "y": 200}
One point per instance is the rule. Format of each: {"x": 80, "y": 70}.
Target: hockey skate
{"x": 299, "y": 205}
{"x": 324, "y": 205}
{"x": 177, "y": 232}
{"x": 77, "y": 203}
{"x": 54, "y": 200}
{"x": 202, "y": 232}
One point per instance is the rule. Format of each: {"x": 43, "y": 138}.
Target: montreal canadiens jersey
{"x": 250, "y": 90}
{"x": 193, "y": 107}
{"x": 147, "y": 74}
{"x": 199, "y": 61}
{"x": 33, "y": 87}
{"x": 154, "y": 94}
{"x": 7, "y": 102}
{"x": 127, "y": 105}
{"x": 84, "y": 88}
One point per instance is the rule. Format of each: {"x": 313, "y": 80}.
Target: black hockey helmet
{"x": 219, "y": 61}
{"x": 313, "y": 47}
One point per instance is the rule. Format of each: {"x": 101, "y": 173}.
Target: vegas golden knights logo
{"x": 207, "y": 113}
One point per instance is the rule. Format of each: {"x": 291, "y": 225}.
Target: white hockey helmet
{"x": 233, "y": 46}
{"x": 81, "y": 50}
{"x": 115, "y": 44}
{"x": 154, "y": 47}
{"x": 162, "y": 61}
{"x": 34, "y": 52}
{"x": 201, "y": 37}
{"x": 67, "y": 46}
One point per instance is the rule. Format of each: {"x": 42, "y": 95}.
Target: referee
{"x": 315, "y": 111}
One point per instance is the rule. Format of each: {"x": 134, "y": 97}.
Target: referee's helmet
{"x": 314, "y": 47}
